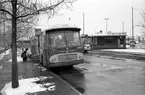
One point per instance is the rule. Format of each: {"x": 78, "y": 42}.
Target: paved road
{"x": 106, "y": 75}
{"x": 119, "y": 54}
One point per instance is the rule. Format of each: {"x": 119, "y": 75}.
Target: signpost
{"x": 38, "y": 34}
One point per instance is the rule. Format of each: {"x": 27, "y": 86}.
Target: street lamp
{"x": 122, "y": 26}
{"x": 106, "y": 24}
{"x": 83, "y": 23}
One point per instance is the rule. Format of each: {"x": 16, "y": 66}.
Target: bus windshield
{"x": 64, "y": 38}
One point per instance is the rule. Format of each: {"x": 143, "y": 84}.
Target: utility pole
{"x": 132, "y": 25}
{"x": 83, "y": 23}
{"x": 122, "y": 26}
{"x": 106, "y": 24}
{"x": 38, "y": 34}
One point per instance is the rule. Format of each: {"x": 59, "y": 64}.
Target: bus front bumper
{"x": 66, "y": 63}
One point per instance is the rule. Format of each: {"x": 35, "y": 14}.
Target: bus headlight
{"x": 53, "y": 60}
{"x": 80, "y": 57}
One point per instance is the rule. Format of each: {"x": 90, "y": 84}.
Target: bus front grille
{"x": 67, "y": 57}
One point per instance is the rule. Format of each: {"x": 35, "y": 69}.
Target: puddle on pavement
{"x": 117, "y": 58}
{"x": 81, "y": 70}
{"x": 98, "y": 56}
{"x": 117, "y": 69}
{"x": 104, "y": 65}
{"x": 129, "y": 60}
{"x": 85, "y": 61}
{"x": 35, "y": 64}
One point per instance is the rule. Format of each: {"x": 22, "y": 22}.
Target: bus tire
{"x": 70, "y": 66}
{"x": 85, "y": 51}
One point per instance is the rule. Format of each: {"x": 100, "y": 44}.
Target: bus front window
{"x": 63, "y": 39}
{"x": 72, "y": 38}
{"x": 57, "y": 40}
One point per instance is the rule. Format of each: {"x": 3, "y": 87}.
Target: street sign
{"x": 38, "y": 31}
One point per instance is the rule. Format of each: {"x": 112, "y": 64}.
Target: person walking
{"x": 24, "y": 55}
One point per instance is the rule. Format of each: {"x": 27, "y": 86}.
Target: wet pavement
{"x": 106, "y": 75}
{"x": 137, "y": 56}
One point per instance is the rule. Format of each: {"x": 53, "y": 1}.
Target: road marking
{"x": 1, "y": 67}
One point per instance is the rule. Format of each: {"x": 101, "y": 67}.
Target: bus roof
{"x": 60, "y": 28}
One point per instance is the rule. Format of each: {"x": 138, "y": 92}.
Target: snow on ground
{"x": 29, "y": 85}
{"x": 138, "y": 51}
{"x": 5, "y": 53}
{"x": 19, "y": 59}
{"x": 127, "y": 46}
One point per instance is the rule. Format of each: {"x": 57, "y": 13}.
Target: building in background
{"x": 108, "y": 41}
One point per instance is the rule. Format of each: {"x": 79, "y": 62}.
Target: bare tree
{"x": 26, "y": 11}
{"x": 143, "y": 16}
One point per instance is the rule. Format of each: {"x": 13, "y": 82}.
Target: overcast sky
{"x": 96, "y": 11}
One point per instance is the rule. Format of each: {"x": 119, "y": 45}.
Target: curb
{"x": 66, "y": 83}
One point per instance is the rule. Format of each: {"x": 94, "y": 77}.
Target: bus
{"x": 61, "y": 46}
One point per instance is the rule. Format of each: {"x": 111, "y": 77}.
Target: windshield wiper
{"x": 68, "y": 41}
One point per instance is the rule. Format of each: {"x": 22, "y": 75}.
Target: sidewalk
{"x": 32, "y": 81}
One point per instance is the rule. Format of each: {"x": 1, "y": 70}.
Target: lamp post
{"x": 38, "y": 34}
{"x": 83, "y": 23}
{"x": 122, "y": 26}
{"x": 106, "y": 24}
{"x": 132, "y": 25}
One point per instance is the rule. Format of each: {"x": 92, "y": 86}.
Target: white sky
{"x": 95, "y": 12}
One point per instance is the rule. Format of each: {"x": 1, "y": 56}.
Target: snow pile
{"x": 19, "y": 52}
{"x": 127, "y": 46}
{"x": 8, "y": 52}
{"x": 137, "y": 51}
{"x": 28, "y": 86}
{"x": 5, "y": 53}
{"x": 19, "y": 59}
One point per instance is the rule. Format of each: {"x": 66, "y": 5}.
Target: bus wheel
{"x": 70, "y": 66}
{"x": 85, "y": 51}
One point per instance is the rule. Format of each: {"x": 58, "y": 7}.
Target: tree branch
{"x": 40, "y": 10}
{"x": 8, "y": 1}
{"x": 3, "y": 10}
